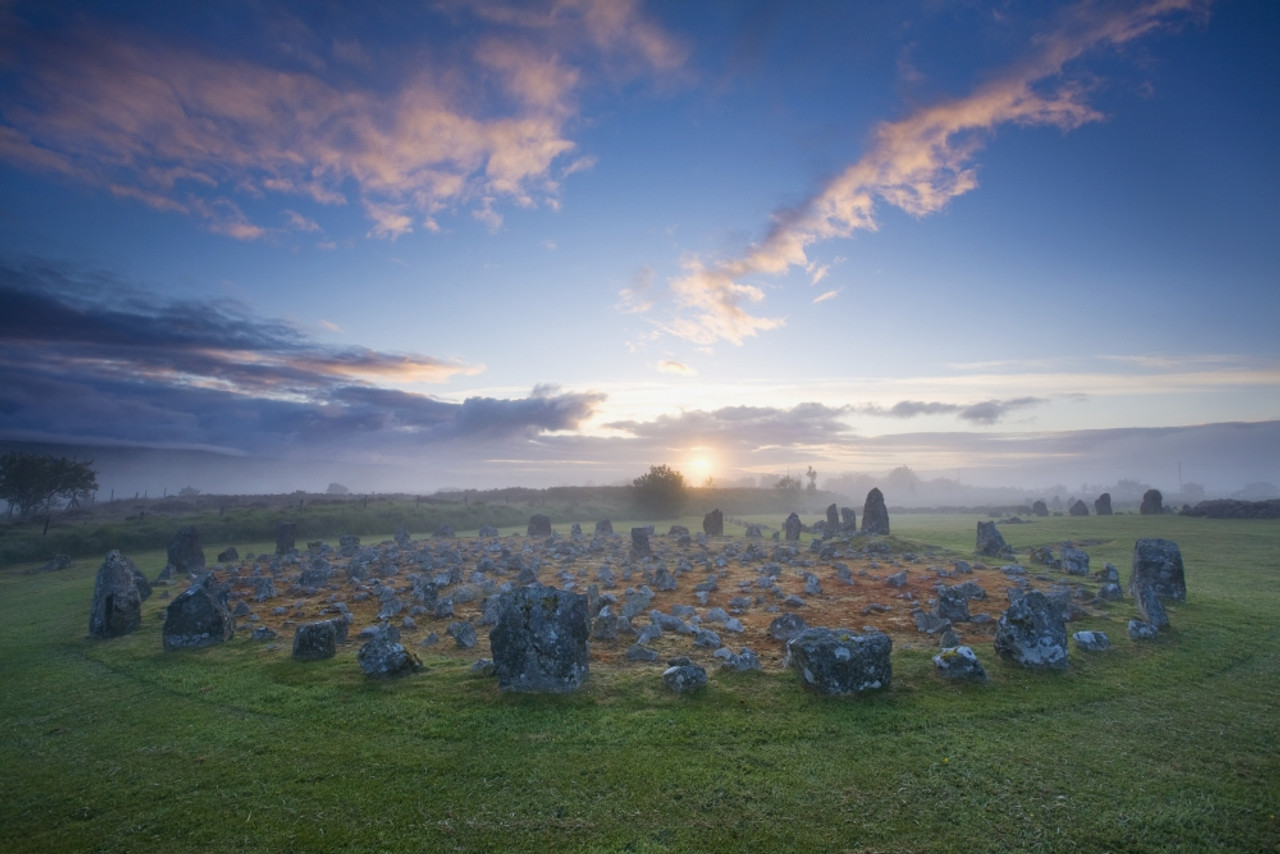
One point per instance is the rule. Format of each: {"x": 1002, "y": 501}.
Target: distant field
{"x": 1168, "y": 746}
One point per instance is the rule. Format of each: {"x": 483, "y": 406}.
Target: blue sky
{"x": 491, "y": 243}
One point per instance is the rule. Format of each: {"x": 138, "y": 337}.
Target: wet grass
{"x": 1166, "y": 746}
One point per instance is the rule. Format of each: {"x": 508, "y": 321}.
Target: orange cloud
{"x": 918, "y": 164}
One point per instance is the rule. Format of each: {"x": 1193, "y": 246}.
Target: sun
{"x": 700, "y": 465}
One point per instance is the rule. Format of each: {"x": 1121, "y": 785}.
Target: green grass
{"x": 1168, "y": 746}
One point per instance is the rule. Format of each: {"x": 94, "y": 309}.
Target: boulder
{"x": 1102, "y": 504}
{"x": 1139, "y": 630}
{"x": 539, "y": 643}
{"x": 315, "y": 641}
{"x": 959, "y": 662}
{"x": 990, "y": 542}
{"x": 1079, "y": 508}
{"x": 116, "y": 608}
{"x": 640, "y": 542}
{"x": 683, "y": 676}
{"x": 286, "y": 537}
{"x": 1031, "y": 633}
{"x": 838, "y": 662}
{"x": 1152, "y": 503}
{"x": 875, "y": 515}
{"x": 787, "y": 626}
{"x": 199, "y": 616}
{"x": 791, "y": 527}
{"x": 185, "y": 554}
{"x": 348, "y": 545}
{"x": 539, "y": 526}
{"x": 952, "y": 604}
{"x": 1074, "y": 561}
{"x": 487, "y": 531}
{"x": 444, "y": 532}
{"x": 383, "y": 657}
{"x": 713, "y": 523}
{"x": 229, "y": 555}
{"x": 1091, "y": 641}
{"x": 1158, "y": 563}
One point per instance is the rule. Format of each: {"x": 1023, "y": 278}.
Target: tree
{"x": 661, "y": 492}
{"x": 812, "y": 475}
{"x": 788, "y": 484}
{"x": 32, "y": 484}
{"x": 337, "y": 489}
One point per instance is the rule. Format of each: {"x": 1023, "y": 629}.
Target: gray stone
{"x": 1074, "y": 561}
{"x": 1110, "y": 592}
{"x": 1031, "y": 633}
{"x": 897, "y": 579}
{"x": 639, "y": 652}
{"x": 959, "y": 663}
{"x": 791, "y": 527}
{"x": 1149, "y": 607}
{"x": 838, "y": 662}
{"x": 1139, "y": 630}
{"x": 875, "y": 515}
{"x": 199, "y": 616}
{"x": 952, "y": 604}
{"x": 383, "y": 657}
{"x": 1152, "y": 503}
{"x": 445, "y": 532}
{"x": 487, "y": 531}
{"x": 463, "y": 634}
{"x": 1079, "y": 508}
{"x": 116, "y": 608}
{"x": 482, "y": 667}
{"x": 539, "y": 643}
{"x": 930, "y": 624}
{"x": 1091, "y": 641}
{"x": 990, "y": 541}
{"x": 539, "y": 526}
{"x": 348, "y": 545}
{"x": 713, "y": 523}
{"x": 706, "y": 638}
{"x": 848, "y": 519}
{"x": 1108, "y": 573}
{"x": 1158, "y": 563}
{"x": 604, "y": 528}
{"x": 640, "y": 542}
{"x": 315, "y": 641}
{"x": 185, "y": 554}
{"x": 1039, "y": 508}
{"x": 684, "y": 678}
{"x": 286, "y": 537}
{"x": 1102, "y": 504}
{"x": 787, "y": 626}
{"x": 229, "y": 555}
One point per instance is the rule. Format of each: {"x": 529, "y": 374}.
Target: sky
{"x": 498, "y": 243}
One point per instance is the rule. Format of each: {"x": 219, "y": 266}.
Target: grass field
{"x": 1172, "y": 745}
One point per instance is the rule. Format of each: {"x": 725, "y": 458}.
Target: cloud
{"x": 828, "y": 295}
{"x": 670, "y": 367}
{"x": 984, "y": 412}
{"x": 746, "y": 428}
{"x": 184, "y": 126}
{"x": 89, "y": 355}
{"x": 917, "y": 163}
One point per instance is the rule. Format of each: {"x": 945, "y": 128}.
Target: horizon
{"x": 558, "y": 242}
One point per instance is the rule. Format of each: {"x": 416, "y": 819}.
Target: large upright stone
{"x": 1031, "y": 633}
{"x": 1158, "y": 564}
{"x": 838, "y": 662}
{"x": 604, "y": 528}
{"x": 539, "y": 526}
{"x": 875, "y": 515}
{"x": 990, "y": 542}
{"x": 117, "y": 602}
{"x": 1079, "y": 508}
{"x": 1102, "y": 504}
{"x": 791, "y": 527}
{"x": 713, "y": 523}
{"x": 833, "y": 519}
{"x": 848, "y": 519}
{"x": 1152, "y": 503}
{"x": 185, "y": 554}
{"x": 640, "y": 542}
{"x": 1039, "y": 508}
{"x": 199, "y": 616}
{"x": 539, "y": 642}
{"x": 315, "y": 641}
{"x": 286, "y": 537}
{"x": 1074, "y": 561}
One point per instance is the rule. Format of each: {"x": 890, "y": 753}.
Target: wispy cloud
{"x": 185, "y": 127}
{"x": 918, "y": 164}
{"x": 983, "y": 412}
{"x": 672, "y": 367}
{"x": 827, "y": 295}
{"x": 88, "y": 355}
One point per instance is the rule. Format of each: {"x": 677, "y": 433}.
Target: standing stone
{"x": 990, "y": 542}
{"x": 791, "y": 527}
{"x": 640, "y": 542}
{"x": 1149, "y": 607}
{"x": 1079, "y": 508}
{"x": 713, "y": 523}
{"x": 1158, "y": 563}
{"x": 539, "y": 643}
{"x": 1039, "y": 508}
{"x": 315, "y": 641}
{"x": 384, "y": 657}
{"x": 229, "y": 555}
{"x": 539, "y": 526}
{"x": 1102, "y": 504}
{"x": 838, "y": 662}
{"x": 875, "y": 515}
{"x": 604, "y": 527}
{"x": 286, "y": 537}
{"x": 1152, "y": 503}
{"x": 199, "y": 616}
{"x": 117, "y": 603}
{"x": 952, "y": 604}
{"x": 185, "y": 554}
{"x": 683, "y": 676}
{"x": 833, "y": 520}
{"x": 1031, "y": 633}
{"x": 848, "y": 519}
{"x": 348, "y": 545}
